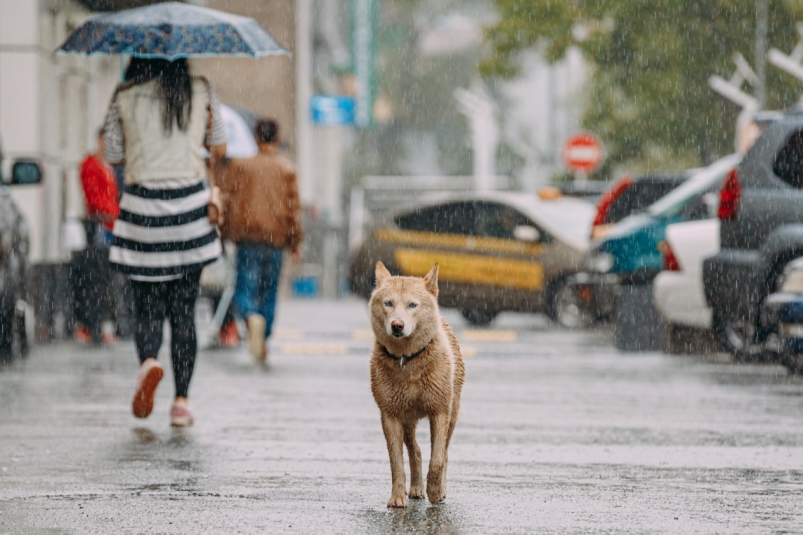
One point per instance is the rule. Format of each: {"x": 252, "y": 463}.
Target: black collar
{"x": 404, "y": 359}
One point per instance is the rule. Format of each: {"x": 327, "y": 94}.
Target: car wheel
{"x": 739, "y": 337}
{"x": 478, "y": 318}
{"x": 566, "y": 308}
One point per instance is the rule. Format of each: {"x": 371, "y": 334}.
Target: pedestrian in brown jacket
{"x": 262, "y": 216}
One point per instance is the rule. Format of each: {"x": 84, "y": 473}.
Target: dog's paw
{"x": 397, "y": 501}
{"x": 436, "y": 493}
{"x": 416, "y": 492}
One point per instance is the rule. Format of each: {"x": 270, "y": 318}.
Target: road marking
{"x": 288, "y": 334}
{"x": 488, "y": 336}
{"x": 362, "y": 334}
{"x": 468, "y": 352}
{"x": 314, "y": 349}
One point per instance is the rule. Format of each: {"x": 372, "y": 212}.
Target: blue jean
{"x": 258, "y": 268}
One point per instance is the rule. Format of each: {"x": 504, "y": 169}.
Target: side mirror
{"x": 526, "y": 233}
{"x": 25, "y": 172}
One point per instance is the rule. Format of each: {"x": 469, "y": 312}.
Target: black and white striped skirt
{"x": 163, "y": 230}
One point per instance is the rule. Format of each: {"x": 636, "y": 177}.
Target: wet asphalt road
{"x": 559, "y": 434}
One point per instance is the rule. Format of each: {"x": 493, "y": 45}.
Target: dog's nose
{"x": 397, "y": 326}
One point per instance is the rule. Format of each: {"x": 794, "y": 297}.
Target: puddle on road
{"x": 419, "y": 517}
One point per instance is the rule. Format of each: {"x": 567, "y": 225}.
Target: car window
{"x": 450, "y": 218}
{"x": 637, "y": 197}
{"x": 788, "y": 165}
{"x": 498, "y": 221}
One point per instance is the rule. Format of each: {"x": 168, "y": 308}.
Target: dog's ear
{"x": 431, "y": 280}
{"x": 382, "y": 274}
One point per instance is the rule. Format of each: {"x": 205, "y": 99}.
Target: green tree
{"x": 651, "y": 61}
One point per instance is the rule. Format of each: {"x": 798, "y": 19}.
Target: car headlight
{"x": 600, "y": 262}
{"x": 793, "y": 282}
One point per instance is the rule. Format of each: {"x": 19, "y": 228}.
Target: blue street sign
{"x": 332, "y": 109}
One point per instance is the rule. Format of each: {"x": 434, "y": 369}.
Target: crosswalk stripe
{"x": 487, "y": 336}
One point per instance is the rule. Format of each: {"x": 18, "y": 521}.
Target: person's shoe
{"x": 228, "y": 335}
{"x": 150, "y": 373}
{"x": 109, "y": 339}
{"x": 256, "y": 337}
{"x": 82, "y": 335}
{"x": 181, "y": 415}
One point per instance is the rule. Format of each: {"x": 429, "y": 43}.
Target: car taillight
{"x": 670, "y": 260}
{"x": 729, "y": 196}
{"x": 607, "y": 199}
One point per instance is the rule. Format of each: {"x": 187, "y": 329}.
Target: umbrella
{"x": 172, "y": 30}
{"x": 239, "y": 138}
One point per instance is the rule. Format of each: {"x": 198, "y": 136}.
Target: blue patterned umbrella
{"x": 170, "y": 31}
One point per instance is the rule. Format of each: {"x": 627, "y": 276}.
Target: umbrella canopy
{"x": 240, "y": 141}
{"x": 172, "y": 30}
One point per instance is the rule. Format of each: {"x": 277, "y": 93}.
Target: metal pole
{"x": 303, "y": 57}
{"x": 761, "y": 51}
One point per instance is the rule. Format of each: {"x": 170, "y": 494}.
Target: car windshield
{"x": 700, "y": 182}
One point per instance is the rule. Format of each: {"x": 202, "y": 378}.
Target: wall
{"x": 264, "y": 86}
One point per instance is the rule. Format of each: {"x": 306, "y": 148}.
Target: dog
{"x": 417, "y": 372}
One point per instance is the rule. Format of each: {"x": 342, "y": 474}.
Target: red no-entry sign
{"x": 583, "y": 153}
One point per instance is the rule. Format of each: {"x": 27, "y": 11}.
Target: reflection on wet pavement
{"x": 558, "y": 434}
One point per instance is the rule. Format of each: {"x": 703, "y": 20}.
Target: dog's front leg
{"x": 394, "y": 436}
{"x": 414, "y": 452}
{"x": 436, "y": 478}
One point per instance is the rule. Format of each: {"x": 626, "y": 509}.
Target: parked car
{"x": 628, "y": 196}
{"x": 497, "y": 252}
{"x": 13, "y": 276}
{"x": 622, "y": 266}
{"x": 782, "y": 318}
{"x": 678, "y": 290}
{"x": 761, "y": 231}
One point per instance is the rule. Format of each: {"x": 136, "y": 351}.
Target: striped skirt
{"x": 163, "y": 230}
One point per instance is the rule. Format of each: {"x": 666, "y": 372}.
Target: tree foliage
{"x": 651, "y": 62}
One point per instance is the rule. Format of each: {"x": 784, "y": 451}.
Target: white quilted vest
{"x": 150, "y": 153}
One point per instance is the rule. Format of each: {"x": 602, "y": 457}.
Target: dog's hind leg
{"x": 394, "y": 436}
{"x": 436, "y": 477}
{"x": 414, "y": 452}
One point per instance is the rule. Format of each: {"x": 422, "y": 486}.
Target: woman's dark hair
{"x": 173, "y": 85}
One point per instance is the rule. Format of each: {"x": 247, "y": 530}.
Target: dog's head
{"x": 404, "y": 308}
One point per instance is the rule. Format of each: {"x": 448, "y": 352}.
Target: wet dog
{"x": 416, "y": 372}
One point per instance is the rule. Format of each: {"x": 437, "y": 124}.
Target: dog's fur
{"x": 426, "y": 386}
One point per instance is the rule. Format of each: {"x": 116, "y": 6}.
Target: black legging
{"x": 174, "y": 300}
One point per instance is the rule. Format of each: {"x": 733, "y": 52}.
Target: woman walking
{"x": 157, "y": 124}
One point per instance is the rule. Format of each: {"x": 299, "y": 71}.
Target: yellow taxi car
{"x": 497, "y": 252}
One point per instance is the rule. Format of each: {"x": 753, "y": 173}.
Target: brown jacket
{"x": 261, "y": 204}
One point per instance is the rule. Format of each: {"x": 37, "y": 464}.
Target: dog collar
{"x": 404, "y": 359}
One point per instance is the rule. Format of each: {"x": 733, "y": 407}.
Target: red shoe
{"x": 82, "y": 335}
{"x": 181, "y": 414}
{"x": 150, "y": 373}
{"x": 228, "y": 335}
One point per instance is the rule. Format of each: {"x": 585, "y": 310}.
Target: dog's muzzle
{"x": 397, "y": 329}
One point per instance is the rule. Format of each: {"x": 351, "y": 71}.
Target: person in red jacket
{"x": 91, "y": 270}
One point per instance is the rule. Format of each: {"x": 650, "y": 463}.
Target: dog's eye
{"x": 413, "y": 305}
{"x": 388, "y": 303}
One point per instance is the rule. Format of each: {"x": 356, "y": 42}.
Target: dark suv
{"x": 761, "y": 214}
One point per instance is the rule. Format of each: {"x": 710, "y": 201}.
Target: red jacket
{"x": 100, "y": 190}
